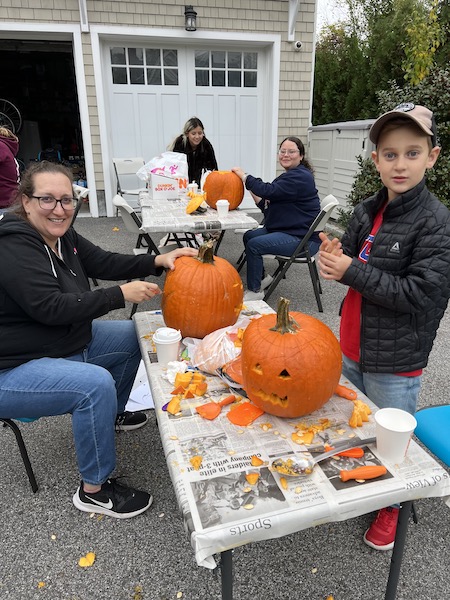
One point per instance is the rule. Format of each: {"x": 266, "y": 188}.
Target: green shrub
{"x": 434, "y": 93}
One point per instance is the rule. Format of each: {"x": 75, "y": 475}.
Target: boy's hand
{"x": 333, "y": 246}
{"x": 333, "y": 266}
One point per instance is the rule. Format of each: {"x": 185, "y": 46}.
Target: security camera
{"x": 298, "y": 46}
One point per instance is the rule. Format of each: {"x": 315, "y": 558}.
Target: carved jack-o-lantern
{"x": 291, "y": 363}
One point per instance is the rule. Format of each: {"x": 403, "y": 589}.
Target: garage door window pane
{"x": 249, "y": 79}
{"x": 218, "y": 78}
{"x": 201, "y": 58}
{"x": 154, "y": 76}
{"x": 234, "y": 60}
{"x": 234, "y": 79}
{"x": 218, "y": 59}
{"x": 137, "y": 76}
{"x": 201, "y": 78}
{"x": 153, "y": 57}
{"x": 136, "y": 56}
{"x": 171, "y": 76}
{"x": 250, "y": 60}
{"x": 118, "y": 56}
{"x": 170, "y": 58}
{"x": 119, "y": 75}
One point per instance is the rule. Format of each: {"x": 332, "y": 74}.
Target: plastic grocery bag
{"x": 216, "y": 348}
{"x": 169, "y": 164}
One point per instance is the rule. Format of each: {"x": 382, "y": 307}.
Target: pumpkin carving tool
{"x": 211, "y": 410}
{"x": 304, "y": 466}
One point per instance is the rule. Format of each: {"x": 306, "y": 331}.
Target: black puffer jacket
{"x": 405, "y": 284}
{"x": 46, "y": 304}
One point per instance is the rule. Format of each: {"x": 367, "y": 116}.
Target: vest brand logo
{"x": 395, "y": 248}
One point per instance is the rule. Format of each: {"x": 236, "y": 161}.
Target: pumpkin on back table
{"x": 291, "y": 363}
{"x": 204, "y": 293}
{"x": 223, "y": 185}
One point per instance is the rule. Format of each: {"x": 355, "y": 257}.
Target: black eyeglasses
{"x": 49, "y": 202}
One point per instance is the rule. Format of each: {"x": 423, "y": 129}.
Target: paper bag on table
{"x": 166, "y": 174}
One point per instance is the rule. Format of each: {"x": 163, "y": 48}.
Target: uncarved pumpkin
{"x": 291, "y": 363}
{"x": 223, "y": 185}
{"x": 202, "y": 294}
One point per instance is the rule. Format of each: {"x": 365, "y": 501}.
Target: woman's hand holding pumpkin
{"x": 167, "y": 261}
{"x": 239, "y": 172}
{"x": 139, "y": 291}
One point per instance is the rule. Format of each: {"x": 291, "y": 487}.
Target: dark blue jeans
{"x": 93, "y": 387}
{"x": 258, "y": 242}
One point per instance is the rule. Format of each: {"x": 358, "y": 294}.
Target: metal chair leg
{"x": 23, "y": 452}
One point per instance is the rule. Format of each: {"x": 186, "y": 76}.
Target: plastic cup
{"x": 222, "y": 207}
{"x": 192, "y": 187}
{"x": 167, "y": 343}
{"x": 394, "y": 428}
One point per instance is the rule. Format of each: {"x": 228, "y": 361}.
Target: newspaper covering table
{"x": 169, "y": 216}
{"x": 222, "y": 511}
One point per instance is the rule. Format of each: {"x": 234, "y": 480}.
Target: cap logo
{"x": 405, "y": 107}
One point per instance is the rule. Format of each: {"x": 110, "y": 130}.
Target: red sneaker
{"x": 381, "y": 534}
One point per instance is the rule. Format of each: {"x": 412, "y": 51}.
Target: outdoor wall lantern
{"x": 190, "y": 18}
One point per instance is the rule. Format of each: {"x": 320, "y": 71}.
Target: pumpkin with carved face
{"x": 291, "y": 363}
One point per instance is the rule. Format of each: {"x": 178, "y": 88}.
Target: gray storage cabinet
{"x": 333, "y": 149}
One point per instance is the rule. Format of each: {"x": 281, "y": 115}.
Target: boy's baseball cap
{"x": 422, "y": 116}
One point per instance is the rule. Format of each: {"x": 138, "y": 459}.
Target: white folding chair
{"x": 128, "y": 183}
{"x": 302, "y": 255}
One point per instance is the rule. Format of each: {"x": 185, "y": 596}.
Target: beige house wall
{"x": 252, "y": 16}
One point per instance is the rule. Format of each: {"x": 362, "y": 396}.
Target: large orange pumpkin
{"x": 202, "y": 294}
{"x": 223, "y": 185}
{"x": 291, "y": 363}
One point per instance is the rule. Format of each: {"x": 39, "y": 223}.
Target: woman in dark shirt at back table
{"x": 199, "y": 150}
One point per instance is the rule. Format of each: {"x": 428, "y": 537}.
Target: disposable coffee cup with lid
{"x": 222, "y": 207}
{"x": 167, "y": 343}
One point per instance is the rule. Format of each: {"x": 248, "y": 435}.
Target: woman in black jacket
{"x": 199, "y": 151}
{"x": 56, "y": 357}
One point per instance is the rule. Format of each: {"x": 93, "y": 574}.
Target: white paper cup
{"x": 167, "y": 343}
{"x": 394, "y": 428}
{"x": 192, "y": 187}
{"x": 222, "y": 207}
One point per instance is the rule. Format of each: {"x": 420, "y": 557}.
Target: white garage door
{"x": 154, "y": 90}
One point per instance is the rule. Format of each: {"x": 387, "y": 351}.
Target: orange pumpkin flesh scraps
{"x": 244, "y": 414}
{"x": 223, "y": 185}
{"x": 252, "y": 478}
{"x": 291, "y": 363}
{"x": 256, "y": 461}
{"x": 202, "y": 294}
{"x": 196, "y": 462}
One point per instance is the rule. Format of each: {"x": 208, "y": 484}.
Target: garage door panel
{"x": 125, "y": 141}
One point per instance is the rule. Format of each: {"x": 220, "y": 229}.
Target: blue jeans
{"x": 386, "y": 390}
{"x": 93, "y": 387}
{"x": 258, "y": 242}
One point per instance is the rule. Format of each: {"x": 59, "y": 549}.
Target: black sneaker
{"x": 127, "y": 421}
{"x": 114, "y": 500}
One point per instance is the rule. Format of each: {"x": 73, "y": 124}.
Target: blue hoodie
{"x": 290, "y": 203}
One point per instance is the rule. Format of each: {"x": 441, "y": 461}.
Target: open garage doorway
{"x": 38, "y": 80}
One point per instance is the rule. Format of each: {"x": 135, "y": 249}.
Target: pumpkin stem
{"x": 285, "y": 323}
{"x": 206, "y": 253}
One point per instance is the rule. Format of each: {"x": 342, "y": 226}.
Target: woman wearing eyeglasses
{"x": 290, "y": 204}
{"x": 56, "y": 357}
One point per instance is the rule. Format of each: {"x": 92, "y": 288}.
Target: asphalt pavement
{"x": 150, "y": 557}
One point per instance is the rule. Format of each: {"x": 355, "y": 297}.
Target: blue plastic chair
{"x": 23, "y": 450}
{"x": 433, "y": 430}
